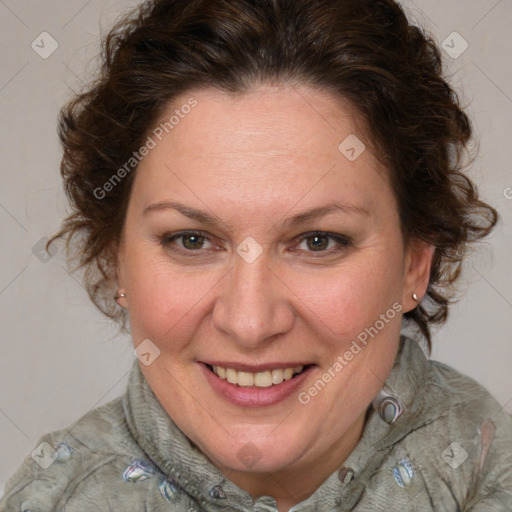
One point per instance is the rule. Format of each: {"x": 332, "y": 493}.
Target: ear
{"x": 120, "y": 287}
{"x": 418, "y": 261}
{"x": 120, "y": 281}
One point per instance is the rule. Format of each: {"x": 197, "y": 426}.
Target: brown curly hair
{"x": 365, "y": 51}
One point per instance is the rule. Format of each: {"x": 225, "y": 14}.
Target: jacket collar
{"x": 188, "y": 469}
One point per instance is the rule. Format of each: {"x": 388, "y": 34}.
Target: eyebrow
{"x": 206, "y": 218}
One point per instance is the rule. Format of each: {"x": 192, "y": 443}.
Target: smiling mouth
{"x": 264, "y": 379}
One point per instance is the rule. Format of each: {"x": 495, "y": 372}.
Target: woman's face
{"x": 292, "y": 257}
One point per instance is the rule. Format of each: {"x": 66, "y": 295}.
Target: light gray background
{"x": 59, "y": 356}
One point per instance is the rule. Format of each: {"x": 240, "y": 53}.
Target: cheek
{"x": 350, "y": 298}
{"x": 166, "y": 304}
{"x": 170, "y": 304}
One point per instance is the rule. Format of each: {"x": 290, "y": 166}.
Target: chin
{"x": 268, "y": 455}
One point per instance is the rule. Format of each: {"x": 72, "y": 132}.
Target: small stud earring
{"x": 415, "y": 297}
{"x": 118, "y": 296}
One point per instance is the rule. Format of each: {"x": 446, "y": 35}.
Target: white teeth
{"x": 263, "y": 380}
{"x": 245, "y": 379}
{"x": 288, "y": 373}
{"x": 231, "y": 376}
{"x": 260, "y": 379}
{"x": 277, "y": 376}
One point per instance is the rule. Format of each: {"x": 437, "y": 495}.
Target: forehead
{"x": 279, "y": 120}
{"x": 269, "y": 144}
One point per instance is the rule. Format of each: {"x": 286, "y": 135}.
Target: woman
{"x": 267, "y": 192}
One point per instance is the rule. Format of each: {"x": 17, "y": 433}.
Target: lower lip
{"x": 254, "y": 396}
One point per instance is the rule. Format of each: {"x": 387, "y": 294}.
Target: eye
{"x": 191, "y": 241}
{"x": 320, "y": 242}
{"x": 198, "y": 243}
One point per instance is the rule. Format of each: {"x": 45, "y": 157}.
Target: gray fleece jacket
{"x": 450, "y": 450}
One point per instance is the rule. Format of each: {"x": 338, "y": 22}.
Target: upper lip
{"x": 255, "y": 368}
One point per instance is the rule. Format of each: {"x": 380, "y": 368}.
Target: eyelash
{"x": 343, "y": 241}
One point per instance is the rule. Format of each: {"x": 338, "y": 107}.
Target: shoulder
{"x": 82, "y": 466}
{"x": 462, "y": 396}
{"x": 463, "y": 443}
{"x": 462, "y": 404}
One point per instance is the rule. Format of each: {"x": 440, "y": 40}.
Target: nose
{"x": 253, "y": 306}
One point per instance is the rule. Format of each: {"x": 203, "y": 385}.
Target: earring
{"x": 118, "y": 296}
{"x": 415, "y": 297}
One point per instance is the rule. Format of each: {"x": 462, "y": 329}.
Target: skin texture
{"x": 252, "y": 161}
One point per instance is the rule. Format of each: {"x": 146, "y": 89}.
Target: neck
{"x": 299, "y": 481}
